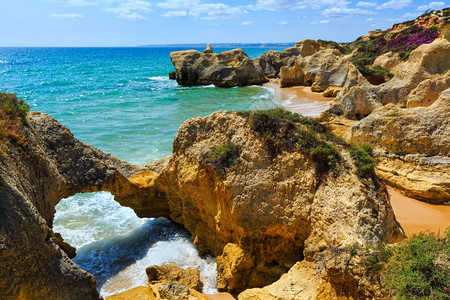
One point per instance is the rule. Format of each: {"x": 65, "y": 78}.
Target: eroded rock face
{"x": 262, "y": 214}
{"x": 390, "y": 61}
{"x": 34, "y": 176}
{"x": 423, "y": 178}
{"x": 226, "y": 69}
{"x": 325, "y": 71}
{"x": 338, "y": 273}
{"x": 407, "y": 131}
{"x": 419, "y": 82}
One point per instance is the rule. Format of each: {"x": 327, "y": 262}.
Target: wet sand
{"x": 299, "y": 99}
{"x": 416, "y": 216}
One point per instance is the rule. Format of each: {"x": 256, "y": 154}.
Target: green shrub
{"x": 13, "y": 113}
{"x": 13, "y": 106}
{"x": 223, "y": 157}
{"x": 420, "y": 268}
{"x": 363, "y": 159}
{"x": 325, "y": 156}
{"x": 286, "y": 131}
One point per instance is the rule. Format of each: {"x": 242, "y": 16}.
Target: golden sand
{"x": 299, "y": 99}
{"x": 416, "y": 216}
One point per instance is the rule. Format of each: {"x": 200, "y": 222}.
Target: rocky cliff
{"x": 46, "y": 165}
{"x": 262, "y": 202}
{"x": 226, "y": 69}
{"x": 260, "y": 198}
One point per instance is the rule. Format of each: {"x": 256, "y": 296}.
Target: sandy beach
{"x": 416, "y": 216}
{"x": 299, "y": 99}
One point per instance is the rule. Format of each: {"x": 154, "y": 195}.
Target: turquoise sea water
{"x": 121, "y": 101}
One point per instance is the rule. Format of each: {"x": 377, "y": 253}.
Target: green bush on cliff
{"x": 283, "y": 130}
{"x": 420, "y": 267}
{"x": 12, "y": 117}
{"x": 363, "y": 159}
{"x": 224, "y": 156}
{"x": 13, "y": 106}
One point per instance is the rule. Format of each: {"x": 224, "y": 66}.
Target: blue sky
{"x": 140, "y": 22}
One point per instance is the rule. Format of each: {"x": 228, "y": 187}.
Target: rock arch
{"x": 34, "y": 177}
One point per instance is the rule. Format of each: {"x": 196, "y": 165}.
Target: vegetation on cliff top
{"x": 12, "y": 117}
{"x": 286, "y": 131}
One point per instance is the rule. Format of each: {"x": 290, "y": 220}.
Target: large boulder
{"x": 173, "y": 273}
{"x": 308, "y": 47}
{"x": 322, "y": 70}
{"x": 226, "y": 69}
{"x": 261, "y": 210}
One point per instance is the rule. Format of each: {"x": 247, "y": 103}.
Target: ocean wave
{"x": 120, "y": 264}
{"x": 3, "y": 61}
{"x": 159, "y": 78}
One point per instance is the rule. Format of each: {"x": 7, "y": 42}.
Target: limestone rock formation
{"x": 407, "y": 131}
{"x": 172, "y": 273}
{"x": 176, "y": 291}
{"x": 262, "y": 213}
{"x": 34, "y": 175}
{"x": 260, "y": 210}
{"x": 423, "y": 178}
{"x": 209, "y": 49}
{"x": 272, "y": 61}
{"x": 407, "y": 135}
{"x": 428, "y": 91}
{"x": 226, "y": 69}
{"x": 308, "y": 47}
{"x": 419, "y": 82}
{"x": 390, "y": 61}
{"x": 326, "y": 71}
{"x": 264, "y": 63}
{"x": 338, "y": 273}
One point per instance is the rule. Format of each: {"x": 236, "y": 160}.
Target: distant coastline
{"x": 226, "y": 45}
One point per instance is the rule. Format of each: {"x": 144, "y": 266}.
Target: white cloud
{"x": 178, "y": 4}
{"x": 214, "y": 11}
{"x": 66, "y": 16}
{"x": 432, "y": 6}
{"x": 369, "y": 19}
{"x": 132, "y": 10}
{"x": 175, "y": 13}
{"x": 294, "y": 5}
{"x": 247, "y": 23}
{"x": 395, "y": 4}
{"x": 75, "y": 2}
{"x": 283, "y": 23}
{"x": 344, "y": 12}
{"x": 366, "y": 4}
{"x": 325, "y": 21}
{"x": 205, "y": 11}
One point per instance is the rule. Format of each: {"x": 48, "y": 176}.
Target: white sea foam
{"x": 3, "y": 61}
{"x": 159, "y": 78}
{"x": 180, "y": 250}
{"x": 116, "y": 246}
